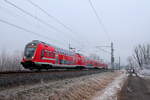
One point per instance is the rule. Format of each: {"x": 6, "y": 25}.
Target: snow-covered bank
{"x": 110, "y": 92}
{"x": 79, "y": 88}
{"x": 145, "y": 72}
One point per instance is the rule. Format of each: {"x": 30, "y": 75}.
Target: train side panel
{"x": 39, "y": 55}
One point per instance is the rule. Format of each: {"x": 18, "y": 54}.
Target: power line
{"x": 29, "y": 14}
{"x": 14, "y": 14}
{"x": 53, "y": 17}
{"x": 50, "y": 15}
{"x": 99, "y": 19}
{"x": 35, "y": 17}
{"x": 104, "y": 50}
{"x": 26, "y": 30}
{"x": 111, "y": 53}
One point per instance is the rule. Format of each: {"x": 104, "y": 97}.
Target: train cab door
{"x": 57, "y": 59}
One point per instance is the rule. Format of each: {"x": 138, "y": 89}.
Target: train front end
{"x": 29, "y": 55}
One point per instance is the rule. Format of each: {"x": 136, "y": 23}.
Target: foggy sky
{"x": 127, "y": 23}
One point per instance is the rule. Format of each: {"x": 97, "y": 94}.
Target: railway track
{"x": 13, "y": 79}
{"x": 38, "y": 71}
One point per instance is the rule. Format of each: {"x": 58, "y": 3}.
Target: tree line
{"x": 10, "y": 62}
{"x": 140, "y": 56}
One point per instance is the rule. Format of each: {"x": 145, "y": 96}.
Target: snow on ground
{"x": 110, "y": 92}
{"x": 145, "y": 72}
{"x": 79, "y": 88}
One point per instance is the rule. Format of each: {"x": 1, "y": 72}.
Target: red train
{"x": 40, "y": 55}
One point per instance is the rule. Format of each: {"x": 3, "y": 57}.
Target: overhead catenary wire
{"x": 50, "y": 15}
{"x": 8, "y": 11}
{"x": 53, "y": 17}
{"x": 99, "y": 19}
{"x": 26, "y": 30}
{"x": 36, "y": 18}
{"x": 104, "y": 50}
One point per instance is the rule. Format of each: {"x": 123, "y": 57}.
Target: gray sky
{"x": 127, "y": 23}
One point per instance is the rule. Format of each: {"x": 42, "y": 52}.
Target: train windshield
{"x": 29, "y": 52}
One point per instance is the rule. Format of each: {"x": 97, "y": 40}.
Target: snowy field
{"x": 111, "y": 91}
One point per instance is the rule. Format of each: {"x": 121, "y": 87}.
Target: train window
{"x": 63, "y": 51}
{"x": 52, "y": 54}
{"x": 58, "y": 50}
{"x": 42, "y": 53}
{"x": 45, "y": 53}
{"x": 29, "y": 52}
{"x": 62, "y": 61}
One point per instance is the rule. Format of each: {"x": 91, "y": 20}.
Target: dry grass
{"x": 83, "y": 90}
{"x": 79, "y": 88}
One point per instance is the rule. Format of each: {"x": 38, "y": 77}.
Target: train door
{"x": 57, "y": 58}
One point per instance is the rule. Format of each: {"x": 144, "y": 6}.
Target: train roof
{"x": 59, "y": 50}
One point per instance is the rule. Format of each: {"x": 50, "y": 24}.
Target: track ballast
{"x": 13, "y": 79}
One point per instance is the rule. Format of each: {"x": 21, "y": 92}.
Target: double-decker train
{"x": 40, "y": 55}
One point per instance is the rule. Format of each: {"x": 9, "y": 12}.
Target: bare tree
{"x": 130, "y": 62}
{"x": 3, "y": 59}
{"x": 10, "y": 62}
{"x": 142, "y": 55}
